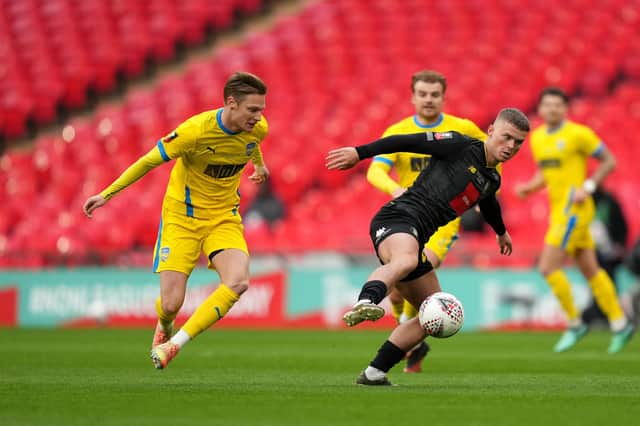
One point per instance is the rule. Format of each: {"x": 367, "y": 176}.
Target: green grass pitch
{"x": 105, "y": 377}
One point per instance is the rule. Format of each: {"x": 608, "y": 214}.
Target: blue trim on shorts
{"x": 163, "y": 153}
{"x": 570, "y": 227}
{"x": 187, "y": 201}
{"x": 384, "y": 160}
{"x": 570, "y": 201}
{"x": 156, "y": 259}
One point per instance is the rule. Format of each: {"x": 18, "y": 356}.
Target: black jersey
{"x": 456, "y": 178}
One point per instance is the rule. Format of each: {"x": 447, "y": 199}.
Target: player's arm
{"x": 492, "y": 213}
{"x": 133, "y": 173}
{"x": 606, "y": 166}
{"x": 261, "y": 172}
{"x": 436, "y": 144}
{"x": 534, "y": 184}
{"x": 592, "y": 145}
{"x": 167, "y": 148}
{"x": 378, "y": 175}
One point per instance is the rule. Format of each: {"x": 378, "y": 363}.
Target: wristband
{"x": 589, "y": 186}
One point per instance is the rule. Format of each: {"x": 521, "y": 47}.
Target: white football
{"x": 441, "y": 315}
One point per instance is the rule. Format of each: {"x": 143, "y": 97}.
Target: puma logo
{"x": 213, "y": 151}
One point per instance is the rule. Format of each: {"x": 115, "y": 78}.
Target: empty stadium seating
{"x": 54, "y": 51}
{"x": 338, "y": 74}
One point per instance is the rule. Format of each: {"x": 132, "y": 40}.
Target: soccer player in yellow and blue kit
{"x": 427, "y": 96}
{"x": 561, "y": 148}
{"x": 200, "y": 207}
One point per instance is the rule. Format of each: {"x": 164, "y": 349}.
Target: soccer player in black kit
{"x": 461, "y": 173}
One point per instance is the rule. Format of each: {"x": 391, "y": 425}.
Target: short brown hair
{"x": 554, "y": 91}
{"x": 241, "y": 84}
{"x": 428, "y": 76}
{"x": 515, "y": 117}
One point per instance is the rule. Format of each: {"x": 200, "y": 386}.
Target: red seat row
{"x": 338, "y": 74}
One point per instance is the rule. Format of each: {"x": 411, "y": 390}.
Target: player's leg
{"x": 233, "y": 267}
{"x": 175, "y": 255}
{"x": 173, "y": 287}
{"x": 550, "y": 265}
{"x": 399, "y": 254}
{"x": 404, "y": 337}
{"x": 606, "y": 296}
{"x": 397, "y": 304}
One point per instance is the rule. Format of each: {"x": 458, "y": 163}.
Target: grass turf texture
{"x": 105, "y": 377}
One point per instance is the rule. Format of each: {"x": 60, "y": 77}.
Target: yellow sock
{"x": 211, "y": 310}
{"x": 561, "y": 287}
{"x": 605, "y": 294}
{"x": 165, "y": 320}
{"x": 396, "y": 309}
{"x": 408, "y": 310}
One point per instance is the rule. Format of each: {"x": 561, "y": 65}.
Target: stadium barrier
{"x": 282, "y": 298}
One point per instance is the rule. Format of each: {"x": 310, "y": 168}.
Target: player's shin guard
{"x": 605, "y": 294}
{"x": 388, "y": 356}
{"x": 211, "y": 310}
{"x": 408, "y": 310}
{"x": 165, "y": 320}
{"x": 374, "y": 291}
{"x": 561, "y": 287}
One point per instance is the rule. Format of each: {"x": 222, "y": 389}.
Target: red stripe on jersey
{"x": 465, "y": 199}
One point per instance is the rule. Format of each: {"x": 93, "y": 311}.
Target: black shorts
{"x": 388, "y": 222}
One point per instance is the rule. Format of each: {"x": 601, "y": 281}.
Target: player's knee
{"x": 170, "y": 306}
{"x": 239, "y": 286}
{"x": 405, "y": 265}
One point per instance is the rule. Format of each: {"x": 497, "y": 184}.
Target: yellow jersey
{"x": 409, "y": 165}
{"x": 209, "y": 162}
{"x": 562, "y": 155}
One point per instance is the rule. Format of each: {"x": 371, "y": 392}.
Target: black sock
{"x": 374, "y": 291}
{"x": 388, "y": 356}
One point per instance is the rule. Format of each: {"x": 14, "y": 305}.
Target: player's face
{"x": 246, "y": 113}
{"x": 428, "y": 98}
{"x": 505, "y": 140}
{"x": 552, "y": 109}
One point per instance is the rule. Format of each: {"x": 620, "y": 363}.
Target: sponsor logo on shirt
{"x": 443, "y": 135}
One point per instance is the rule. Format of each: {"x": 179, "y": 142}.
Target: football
{"x": 441, "y": 315}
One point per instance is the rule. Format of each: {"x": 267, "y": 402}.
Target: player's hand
{"x": 522, "y": 190}
{"x": 342, "y": 158}
{"x": 504, "y": 241}
{"x": 93, "y": 203}
{"x": 398, "y": 192}
{"x": 580, "y": 196}
{"x": 260, "y": 175}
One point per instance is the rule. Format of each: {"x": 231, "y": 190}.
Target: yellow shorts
{"x": 444, "y": 238}
{"x": 181, "y": 239}
{"x": 570, "y": 232}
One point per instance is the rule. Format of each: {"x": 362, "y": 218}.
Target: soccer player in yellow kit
{"x": 427, "y": 96}
{"x": 200, "y": 207}
{"x": 561, "y": 148}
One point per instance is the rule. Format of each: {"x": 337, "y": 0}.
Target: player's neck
{"x": 555, "y": 126}
{"x": 227, "y": 123}
{"x": 428, "y": 121}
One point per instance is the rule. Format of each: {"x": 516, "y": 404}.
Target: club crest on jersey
{"x": 171, "y": 136}
{"x": 560, "y": 144}
{"x": 251, "y": 146}
{"x": 473, "y": 169}
{"x": 164, "y": 253}
{"x": 443, "y": 135}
